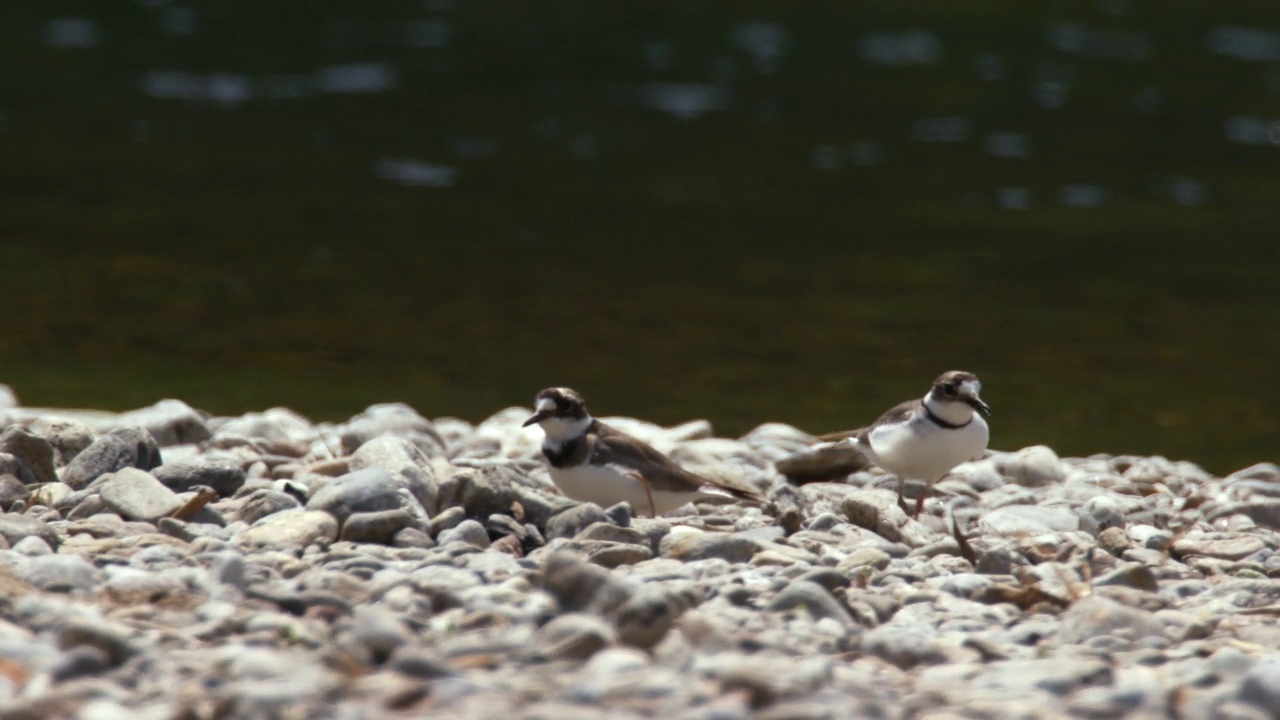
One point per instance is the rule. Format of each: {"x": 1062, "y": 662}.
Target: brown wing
{"x": 896, "y": 414}
{"x": 842, "y": 435}
{"x": 612, "y": 446}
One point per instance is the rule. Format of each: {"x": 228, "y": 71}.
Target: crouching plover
{"x": 592, "y": 462}
{"x": 924, "y": 439}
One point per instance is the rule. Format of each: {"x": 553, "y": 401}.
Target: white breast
{"x": 922, "y": 450}
{"x": 606, "y": 486}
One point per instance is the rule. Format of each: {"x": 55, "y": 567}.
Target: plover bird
{"x": 924, "y": 439}
{"x": 593, "y": 462}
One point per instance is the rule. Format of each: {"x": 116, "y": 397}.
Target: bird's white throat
{"x": 956, "y": 413}
{"x": 561, "y": 430}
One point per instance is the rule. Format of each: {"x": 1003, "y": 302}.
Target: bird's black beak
{"x": 537, "y": 418}
{"x": 976, "y": 403}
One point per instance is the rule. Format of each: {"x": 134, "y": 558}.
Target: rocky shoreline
{"x": 161, "y": 564}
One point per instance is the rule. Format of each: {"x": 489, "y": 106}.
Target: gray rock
{"x": 32, "y": 451}
{"x": 136, "y": 495}
{"x": 224, "y": 475}
{"x": 118, "y": 449}
{"x": 1261, "y": 686}
{"x": 467, "y": 531}
{"x": 368, "y": 490}
{"x": 1134, "y": 575}
{"x": 1264, "y": 471}
{"x": 32, "y": 546}
{"x": 418, "y": 662}
{"x": 689, "y": 547}
{"x": 1094, "y": 616}
{"x": 498, "y": 488}
{"x": 1221, "y": 545}
{"x": 1024, "y": 520}
{"x": 14, "y": 527}
{"x": 573, "y": 520}
{"x": 111, "y": 639}
{"x": 12, "y": 489}
{"x": 228, "y": 568}
{"x": 407, "y": 463}
{"x": 1100, "y": 513}
{"x": 61, "y": 573}
{"x": 379, "y": 630}
{"x": 1035, "y": 466}
{"x": 394, "y": 419}
{"x": 261, "y": 503}
{"x": 8, "y": 398}
{"x": 878, "y": 511}
{"x": 445, "y": 520}
{"x": 80, "y": 661}
{"x": 904, "y": 645}
{"x": 292, "y": 529}
{"x": 575, "y": 636}
{"x": 67, "y": 437}
{"x": 375, "y": 527}
{"x": 170, "y": 422}
{"x": 619, "y": 514}
{"x": 613, "y": 533}
{"x": 412, "y": 538}
{"x": 813, "y": 598}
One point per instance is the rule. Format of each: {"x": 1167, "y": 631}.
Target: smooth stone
{"x": 903, "y": 645}
{"x": 612, "y": 554}
{"x": 613, "y": 533}
{"x": 292, "y": 528}
{"x": 369, "y": 490}
{"x": 12, "y": 490}
{"x": 61, "y": 573}
{"x": 575, "y": 636}
{"x": 170, "y": 422}
{"x": 136, "y": 495}
{"x": 572, "y": 521}
{"x": 32, "y": 546}
{"x": 407, "y": 463}
{"x": 1035, "y": 466}
{"x": 8, "y": 398}
{"x": 14, "y": 527}
{"x": 498, "y": 488}
{"x": 224, "y": 475}
{"x": 375, "y": 527}
{"x": 118, "y": 449}
{"x": 80, "y": 661}
{"x": 814, "y": 599}
{"x": 67, "y": 437}
{"x": 262, "y": 503}
{"x": 396, "y": 420}
{"x": 1134, "y": 575}
{"x": 445, "y": 520}
{"x": 1223, "y": 546}
{"x": 379, "y": 630}
{"x": 468, "y": 531}
{"x": 33, "y": 452}
{"x": 1261, "y": 686}
{"x": 1093, "y": 616}
{"x": 619, "y": 514}
{"x": 418, "y": 662}
{"x": 1100, "y": 513}
{"x": 878, "y": 511}
{"x": 1023, "y": 520}
{"x": 411, "y": 537}
{"x": 726, "y": 546}
{"x": 113, "y": 640}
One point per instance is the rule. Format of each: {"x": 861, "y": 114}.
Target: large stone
{"x": 497, "y": 488}
{"x": 62, "y": 573}
{"x": 118, "y": 449}
{"x": 135, "y": 495}
{"x": 376, "y": 527}
{"x": 67, "y": 437}
{"x": 1034, "y": 466}
{"x": 406, "y": 462}
{"x": 1223, "y": 545}
{"x": 392, "y": 419}
{"x": 369, "y": 490}
{"x": 170, "y": 422}
{"x": 1024, "y": 520}
{"x": 730, "y": 547}
{"x": 575, "y": 519}
{"x": 15, "y": 527}
{"x": 292, "y": 529}
{"x": 1096, "y": 615}
{"x": 34, "y": 452}
{"x": 224, "y": 475}
{"x": 878, "y": 511}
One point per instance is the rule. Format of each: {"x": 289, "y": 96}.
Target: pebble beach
{"x": 165, "y": 564}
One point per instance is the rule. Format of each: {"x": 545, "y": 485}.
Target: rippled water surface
{"x": 793, "y": 212}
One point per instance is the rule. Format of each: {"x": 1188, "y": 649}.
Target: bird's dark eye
{"x": 949, "y": 389}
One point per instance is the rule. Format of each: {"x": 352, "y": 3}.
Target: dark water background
{"x": 742, "y": 211}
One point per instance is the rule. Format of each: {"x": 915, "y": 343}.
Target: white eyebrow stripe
{"x": 546, "y": 405}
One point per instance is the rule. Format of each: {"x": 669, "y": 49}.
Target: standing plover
{"x": 593, "y": 462}
{"x": 924, "y": 439}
